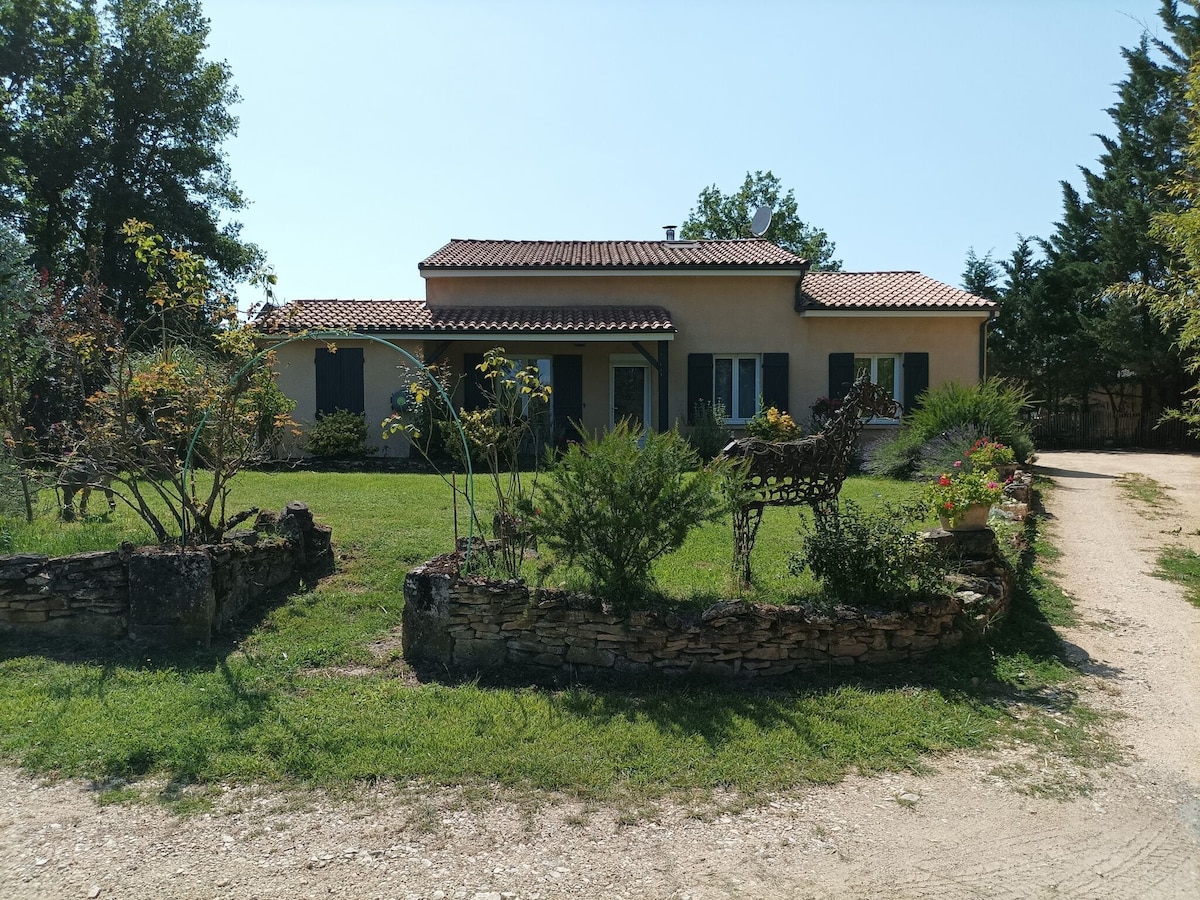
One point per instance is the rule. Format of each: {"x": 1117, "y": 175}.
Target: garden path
{"x": 969, "y": 829}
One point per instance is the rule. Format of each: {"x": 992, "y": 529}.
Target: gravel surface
{"x": 966, "y": 830}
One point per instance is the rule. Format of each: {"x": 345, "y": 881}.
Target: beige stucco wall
{"x": 712, "y": 314}
{"x": 296, "y": 366}
{"x": 730, "y": 314}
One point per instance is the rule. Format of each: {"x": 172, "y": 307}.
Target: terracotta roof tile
{"x": 478, "y": 254}
{"x": 415, "y": 317}
{"x": 884, "y": 290}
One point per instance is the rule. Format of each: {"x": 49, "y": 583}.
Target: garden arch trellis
{"x": 351, "y": 335}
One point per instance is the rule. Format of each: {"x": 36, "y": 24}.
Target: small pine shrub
{"x": 618, "y": 502}
{"x": 339, "y": 435}
{"x": 708, "y": 434}
{"x": 873, "y": 560}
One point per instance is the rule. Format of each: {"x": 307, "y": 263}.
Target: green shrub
{"x": 616, "y": 504}
{"x": 992, "y": 407}
{"x": 708, "y": 434}
{"x": 941, "y": 452}
{"x": 339, "y": 435}
{"x": 951, "y": 418}
{"x": 895, "y": 456}
{"x": 874, "y": 560}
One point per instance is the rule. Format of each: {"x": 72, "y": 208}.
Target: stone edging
{"x": 473, "y": 624}
{"x": 162, "y": 597}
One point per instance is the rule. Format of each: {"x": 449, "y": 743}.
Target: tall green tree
{"x": 1062, "y": 328}
{"x": 110, "y": 114}
{"x": 22, "y": 348}
{"x": 1114, "y": 340}
{"x": 1176, "y": 299}
{"x": 719, "y": 215}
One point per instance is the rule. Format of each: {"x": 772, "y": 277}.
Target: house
{"x": 641, "y": 329}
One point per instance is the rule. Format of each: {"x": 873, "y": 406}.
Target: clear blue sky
{"x": 373, "y": 132}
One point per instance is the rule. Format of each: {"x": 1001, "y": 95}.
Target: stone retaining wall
{"x": 472, "y": 623}
{"x": 161, "y": 596}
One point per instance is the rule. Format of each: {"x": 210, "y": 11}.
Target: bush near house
{"x": 620, "y": 501}
{"x": 950, "y": 419}
{"x": 339, "y": 435}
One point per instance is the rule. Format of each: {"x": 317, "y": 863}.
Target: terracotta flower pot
{"x": 973, "y": 518}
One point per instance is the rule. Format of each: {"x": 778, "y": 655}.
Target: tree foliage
{"x": 1062, "y": 329}
{"x": 719, "y": 215}
{"x": 110, "y": 114}
{"x": 22, "y": 354}
{"x": 181, "y": 415}
{"x": 1177, "y": 298}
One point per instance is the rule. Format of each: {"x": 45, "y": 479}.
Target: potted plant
{"x": 988, "y": 454}
{"x": 963, "y": 500}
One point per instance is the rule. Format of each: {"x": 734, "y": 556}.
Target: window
{"x": 906, "y": 375}
{"x": 737, "y": 385}
{"x": 883, "y": 369}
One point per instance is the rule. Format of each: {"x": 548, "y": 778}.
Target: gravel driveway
{"x": 958, "y": 832}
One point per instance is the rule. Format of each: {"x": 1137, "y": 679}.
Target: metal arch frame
{"x": 343, "y": 335}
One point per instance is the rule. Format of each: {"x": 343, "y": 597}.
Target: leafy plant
{"x": 993, "y": 406}
{"x": 708, "y": 434}
{"x": 514, "y": 418}
{"x": 618, "y": 502}
{"x": 339, "y": 435}
{"x": 939, "y": 454}
{"x": 772, "y": 425}
{"x": 185, "y": 392}
{"x": 952, "y": 494}
{"x": 874, "y": 560}
{"x": 990, "y": 454}
{"x": 22, "y": 358}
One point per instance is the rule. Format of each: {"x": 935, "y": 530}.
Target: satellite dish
{"x": 761, "y": 221}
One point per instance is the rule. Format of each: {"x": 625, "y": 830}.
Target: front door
{"x": 630, "y": 389}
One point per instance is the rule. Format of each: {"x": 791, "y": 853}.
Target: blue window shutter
{"x": 916, "y": 379}
{"x": 472, "y": 382}
{"x": 567, "y": 369}
{"x": 699, "y": 382}
{"x": 340, "y": 382}
{"x": 775, "y": 380}
{"x": 841, "y": 374}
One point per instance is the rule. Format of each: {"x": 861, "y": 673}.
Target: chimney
{"x": 670, "y": 229}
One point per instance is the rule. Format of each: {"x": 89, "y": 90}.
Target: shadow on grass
{"x": 1021, "y": 662}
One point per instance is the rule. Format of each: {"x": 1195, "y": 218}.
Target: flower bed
{"x": 472, "y": 623}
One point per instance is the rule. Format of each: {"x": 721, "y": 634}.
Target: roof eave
{"x": 981, "y": 312}
{"x": 783, "y": 271}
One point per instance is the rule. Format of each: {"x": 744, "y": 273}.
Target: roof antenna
{"x": 761, "y": 221}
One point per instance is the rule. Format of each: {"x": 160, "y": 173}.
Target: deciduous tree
{"x": 719, "y": 215}
{"x": 110, "y": 115}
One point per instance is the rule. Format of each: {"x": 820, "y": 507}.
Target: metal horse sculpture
{"x": 809, "y": 470}
{"x": 81, "y": 473}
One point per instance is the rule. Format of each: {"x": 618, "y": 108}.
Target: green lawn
{"x": 301, "y": 696}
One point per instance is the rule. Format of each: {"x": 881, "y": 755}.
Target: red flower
{"x": 944, "y": 481}
{"x": 947, "y": 505}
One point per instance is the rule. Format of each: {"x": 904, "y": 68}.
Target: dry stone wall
{"x": 163, "y": 597}
{"x": 472, "y": 623}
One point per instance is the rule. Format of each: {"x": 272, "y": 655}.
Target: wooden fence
{"x": 1095, "y": 430}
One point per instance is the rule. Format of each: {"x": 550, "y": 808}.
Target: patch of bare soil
{"x": 971, "y": 829}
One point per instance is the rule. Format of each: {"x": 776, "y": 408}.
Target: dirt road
{"x": 964, "y": 831}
